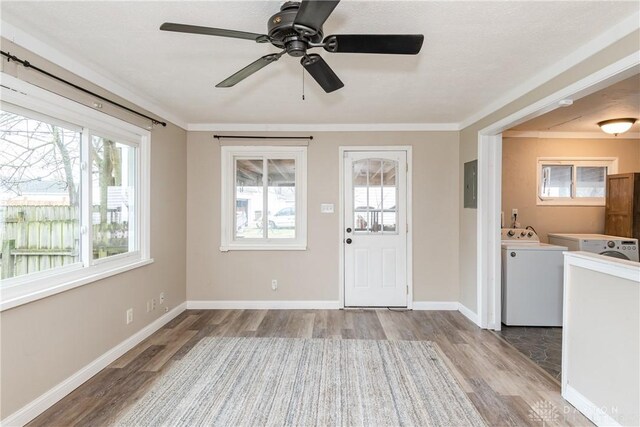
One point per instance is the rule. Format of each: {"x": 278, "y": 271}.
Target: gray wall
{"x": 46, "y": 341}
{"x": 313, "y": 274}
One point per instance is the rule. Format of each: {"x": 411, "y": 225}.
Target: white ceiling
{"x": 614, "y": 102}
{"x": 474, "y": 53}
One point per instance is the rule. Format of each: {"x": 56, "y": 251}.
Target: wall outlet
{"x": 153, "y": 304}
{"x": 161, "y": 298}
{"x": 514, "y": 212}
{"x": 129, "y": 316}
{"x": 274, "y": 284}
{"x": 148, "y": 306}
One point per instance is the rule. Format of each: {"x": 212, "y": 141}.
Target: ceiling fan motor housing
{"x": 283, "y": 35}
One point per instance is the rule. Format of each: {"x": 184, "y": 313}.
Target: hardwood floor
{"x": 501, "y": 382}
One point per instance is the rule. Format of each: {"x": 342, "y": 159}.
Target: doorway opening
{"x": 490, "y": 181}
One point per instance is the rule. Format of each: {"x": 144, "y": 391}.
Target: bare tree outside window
{"x": 40, "y": 191}
{"x": 39, "y": 195}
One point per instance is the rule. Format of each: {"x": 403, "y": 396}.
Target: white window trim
{"x": 227, "y": 193}
{"x": 31, "y": 287}
{"x": 612, "y": 168}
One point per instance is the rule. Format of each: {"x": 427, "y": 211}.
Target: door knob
{"x": 349, "y": 230}
{"x": 348, "y": 241}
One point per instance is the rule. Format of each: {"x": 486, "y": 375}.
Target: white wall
{"x": 601, "y": 346}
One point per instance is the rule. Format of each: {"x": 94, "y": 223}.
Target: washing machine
{"x": 532, "y": 279}
{"x": 613, "y": 246}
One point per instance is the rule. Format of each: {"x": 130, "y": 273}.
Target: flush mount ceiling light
{"x": 616, "y": 126}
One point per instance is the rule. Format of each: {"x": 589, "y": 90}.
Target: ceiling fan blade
{"x": 250, "y": 69}
{"x": 398, "y": 44}
{"x": 209, "y": 31}
{"x": 321, "y": 72}
{"x": 313, "y": 13}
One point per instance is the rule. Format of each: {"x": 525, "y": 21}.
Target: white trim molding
{"x": 468, "y": 313}
{"x": 323, "y": 127}
{"x": 612, "y": 35}
{"x": 567, "y": 135}
{"x": 262, "y": 305}
{"x": 446, "y": 306}
{"x": 49, "y": 398}
{"x": 588, "y": 408}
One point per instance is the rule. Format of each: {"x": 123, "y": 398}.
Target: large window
{"x": 573, "y": 181}
{"x": 73, "y": 192}
{"x": 263, "y": 198}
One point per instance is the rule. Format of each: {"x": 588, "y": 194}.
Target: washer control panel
{"x": 519, "y": 234}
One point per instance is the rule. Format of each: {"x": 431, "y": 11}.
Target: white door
{"x": 375, "y": 233}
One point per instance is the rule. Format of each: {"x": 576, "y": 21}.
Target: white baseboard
{"x": 466, "y": 312}
{"x": 589, "y": 409}
{"x": 34, "y": 408}
{"x": 264, "y": 305}
{"x": 435, "y": 305}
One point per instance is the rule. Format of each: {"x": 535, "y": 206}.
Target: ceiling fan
{"x": 297, "y": 28}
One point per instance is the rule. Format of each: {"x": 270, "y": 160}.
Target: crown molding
{"x": 112, "y": 84}
{"x": 105, "y": 81}
{"x": 567, "y": 135}
{"x": 322, "y": 127}
{"x": 612, "y": 35}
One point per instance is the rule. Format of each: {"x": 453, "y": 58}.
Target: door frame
{"x": 341, "y": 152}
{"x": 488, "y": 257}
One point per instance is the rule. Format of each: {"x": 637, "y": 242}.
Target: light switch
{"x": 326, "y": 208}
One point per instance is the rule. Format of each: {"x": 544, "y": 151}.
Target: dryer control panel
{"x": 617, "y": 248}
{"x": 519, "y": 234}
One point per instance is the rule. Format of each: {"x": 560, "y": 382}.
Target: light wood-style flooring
{"x": 501, "y": 382}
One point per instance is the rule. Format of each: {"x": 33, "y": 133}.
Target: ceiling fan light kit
{"x": 616, "y": 126}
{"x": 296, "y": 28}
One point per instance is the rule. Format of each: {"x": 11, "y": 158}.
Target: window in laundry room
{"x": 577, "y": 182}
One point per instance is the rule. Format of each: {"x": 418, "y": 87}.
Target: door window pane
{"x": 39, "y": 195}
{"x": 389, "y": 196}
{"x": 374, "y": 196}
{"x": 282, "y": 198}
{"x": 590, "y": 181}
{"x": 249, "y": 223}
{"x": 113, "y": 192}
{"x": 556, "y": 181}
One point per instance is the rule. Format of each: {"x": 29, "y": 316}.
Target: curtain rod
{"x": 261, "y": 137}
{"x": 27, "y": 64}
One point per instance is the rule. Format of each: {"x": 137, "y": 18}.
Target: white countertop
{"x": 604, "y": 264}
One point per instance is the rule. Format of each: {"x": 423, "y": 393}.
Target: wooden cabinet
{"x": 622, "y": 214}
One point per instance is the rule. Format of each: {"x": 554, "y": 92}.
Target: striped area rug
{"x": 305, "y": 382}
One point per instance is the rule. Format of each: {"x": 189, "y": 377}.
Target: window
{"x": 263, "y": 198}
{"x": 579, "y": 182}
{"x": 113, "y": 190}
{"x": 73, "y": 195}
{"x": 374, "y": 196}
